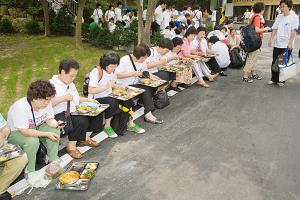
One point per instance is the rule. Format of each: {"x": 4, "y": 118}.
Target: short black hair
{"x": 166, "y": 44}
{"x": 172, "y": 24}
{"x": 201, "y": 28}
{"x": 109, "y": 59}
{"x": 177, "y": 41}
{"x": 258, "y": 7}
{"x": 191, "y": 30}
{"x": 97, "y": 5}
{"x": 141, "y": 50}
{"x": 40, "y": 90}
{"x": 162, "y": 2}
{"x": 229, "y": 22}
{"x": 289, "y": 3}
{"x": 232, "y": 29}
{"x": 67, "y": 65}
{"x": 120, "y": 3}
{"x": 110, "y": 6}
{"x": 213, "y": 39}
{"x": 197, "y": 7}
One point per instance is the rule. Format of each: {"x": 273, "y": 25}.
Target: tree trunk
{"x": 46, "y": 17}
{"x": 78, "y": 30}
{"x": 145, "y": 31}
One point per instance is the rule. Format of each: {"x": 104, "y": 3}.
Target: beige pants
{"x": 251, "y": 62}
{"x": 10, "y": 170}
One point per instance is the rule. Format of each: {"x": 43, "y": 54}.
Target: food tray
{"x": 82, "y": 172}
{"x": 91, "y": 112}
{"x": 151, "y": 82}
{"x": 10, "y": 151}
{"x": 127, "y": 93}
{"x": 172, "y": 68}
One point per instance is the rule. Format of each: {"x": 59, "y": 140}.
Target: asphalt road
{"x": 234, "y": 141}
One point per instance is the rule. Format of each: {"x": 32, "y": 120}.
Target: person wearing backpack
{"x": 65, "y": 101}
{"x": 131, "y": 68}
{"x": 283, "y": 34}
{"x": 101, "y": 87}
{"x": 249, "y": 72}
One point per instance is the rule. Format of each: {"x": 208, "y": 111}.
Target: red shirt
{"x": 257, "y": 23}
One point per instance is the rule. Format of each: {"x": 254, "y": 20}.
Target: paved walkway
{"x": 234, "y": 141}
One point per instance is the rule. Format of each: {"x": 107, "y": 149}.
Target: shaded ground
{"x": 234, "y": 141}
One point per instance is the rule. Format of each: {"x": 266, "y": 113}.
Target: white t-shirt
{"x": 126, "y": 66}
{"x": 111, "y": 26}
{"x": 217, "y": 33}
{"x": 284, "y": 26}
{"x": 118, "y": 13}
{"x": 158, "y": 15}
{"x": 94, "y": 82}
{"x": 194, "y": 45}
{"x": 20, "y": 115}
{"x": 166, "y": 20}
{"x": 214, "y": 16}
{"x": 171, "y": 54}
{"x": 154, "y": 57}
{"x": 222, "y": 52}
{"x": 126, "y": 19}
{"x": 61, "y": 90}
{"x": 170, "y": 34}
{"x": 110, "y": 14}
{"x": 97, "y": 14}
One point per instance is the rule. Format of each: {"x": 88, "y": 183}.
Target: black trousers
{"x": 147, "y": 97}
{"x": 214, "y": 66}
{"x": 276, "y": 53}
{"x": 82, "y": 124}
{"x": 167, "y": 76}
{"x": 113, "y": 108}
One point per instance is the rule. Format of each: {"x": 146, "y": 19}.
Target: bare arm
{"x": 292, "y": 39}
{"x": 123, "y": 75}
{"x": 274, "y": 32}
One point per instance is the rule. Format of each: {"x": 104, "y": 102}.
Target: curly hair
{"x": 40, "y": 90}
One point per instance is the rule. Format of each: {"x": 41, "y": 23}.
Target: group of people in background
{"x": 41, "y": 114}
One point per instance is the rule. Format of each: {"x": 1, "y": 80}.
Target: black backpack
{"x": 251, "y": 40}
{"x": 236, "y": 60}
{"x": 86, "y": 81}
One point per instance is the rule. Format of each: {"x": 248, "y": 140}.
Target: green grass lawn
{"x": 24, "y": 59}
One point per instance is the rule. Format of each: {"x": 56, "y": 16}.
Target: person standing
{"x": 251, "y": 61}
{"x": 97, "y": 14}
{"x": 283, "y": 35}
{"x": 166, "y": 19}
{"x": 214, "y": 17}
{"x": 158, "y": 16}
{"x": 197, "y": 17}
{"x": 110, "y": 14}
{"x": 247, "y": 15}
{"x": 118, "y": 11}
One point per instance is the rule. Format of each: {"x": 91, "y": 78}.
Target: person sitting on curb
{"x": 83, "y": 126}
{"x": 101, "y": 87}
{"x": 11, "y": 169}
{"x": 221, "y": 51}
{"x": 32, "y": 120}
{"x": 129, "y": 71}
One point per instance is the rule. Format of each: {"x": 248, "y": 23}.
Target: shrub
{"x": 101, "y": 37}
{"x": 6, "y": 26}
{"x": 156, "y": 38}
{"x": 32, "y": 27}
{"x": 19, "y": 24}
{"x": 62, "y": 23}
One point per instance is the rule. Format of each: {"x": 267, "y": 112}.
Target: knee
{"x": 32, "y": 142}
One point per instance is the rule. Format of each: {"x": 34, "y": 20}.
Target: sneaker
{"x": 280, "y": 84}
{"x": 257, "y": 77}
{"x": 110, "y": 132}
{"x": 271, "y": 82}
{"x": 136, "y": 128}
{"x": 248, "y": 80}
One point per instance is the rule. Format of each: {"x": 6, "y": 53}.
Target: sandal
{"x": 74, "y": 153}
{"x": 204, "y": 85}
{"x": 90, "y": 143}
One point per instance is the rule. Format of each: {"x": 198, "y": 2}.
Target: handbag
{"x": 287, "y": 68}
{"x": 161, "y": 100}
{"x": 68, "y": 120}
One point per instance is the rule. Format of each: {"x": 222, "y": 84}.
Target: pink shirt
{"x": 185, "y": 48}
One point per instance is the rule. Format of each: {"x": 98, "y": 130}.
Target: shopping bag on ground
{"x": 287, "y": 68}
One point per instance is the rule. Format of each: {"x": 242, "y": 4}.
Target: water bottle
{"x": 270, "y": 30}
